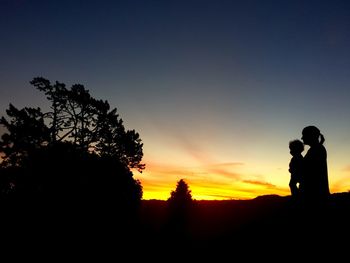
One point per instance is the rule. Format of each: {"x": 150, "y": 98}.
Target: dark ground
{"x": 265, "y": 228}
{"x": 261, "y": 227}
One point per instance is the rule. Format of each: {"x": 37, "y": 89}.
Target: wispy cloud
{"x": 346, "y": 168}
{"x": 225, "y": 173}
{"x": 230, "y": 165}
{"x": 261, "y": 183}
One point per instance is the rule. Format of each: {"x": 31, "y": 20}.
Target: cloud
{"x": 220, "y": 196}
{"x": 224, "y": 171}
{"x": 232, "y": 164}
{"x": 261, "y": 183}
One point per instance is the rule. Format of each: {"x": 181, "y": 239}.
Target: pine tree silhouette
{"x": 182, "y": 193}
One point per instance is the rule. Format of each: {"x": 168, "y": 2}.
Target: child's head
{"x": 296, "y": 147}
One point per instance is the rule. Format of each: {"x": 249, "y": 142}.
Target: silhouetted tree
{"x": 26, "y": 131}
{"x": 182, "y": 193}
{"x": 89, "y": 123}
{"x": 78, "y": 151}
{"x": 180, "y": 204}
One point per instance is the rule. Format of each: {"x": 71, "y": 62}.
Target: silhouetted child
{"x": 296, "y": 147}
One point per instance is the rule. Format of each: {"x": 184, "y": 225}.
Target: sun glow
{"x": 226, "y": 181}
{"x": 211, "y": 182}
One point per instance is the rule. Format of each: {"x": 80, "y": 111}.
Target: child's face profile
{"x": 294, "y": 152}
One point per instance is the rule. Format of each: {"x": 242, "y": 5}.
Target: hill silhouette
{"x": 259, "y": 228}
{"x": 269, "y": 223}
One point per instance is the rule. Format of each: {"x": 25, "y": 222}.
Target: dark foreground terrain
{"x": 267, "y": 227}
{"x": 267, "y": 224}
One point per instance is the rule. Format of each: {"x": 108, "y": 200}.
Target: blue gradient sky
{"x": 216, "y": 89}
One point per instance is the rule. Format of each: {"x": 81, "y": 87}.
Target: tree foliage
{"x": 181, "y": 194}
{"x": 80, "y": 143}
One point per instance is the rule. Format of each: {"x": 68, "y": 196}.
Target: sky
{"x": 216, "y": 89}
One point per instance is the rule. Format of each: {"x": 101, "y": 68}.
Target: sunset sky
{"x": 216, "y": 89}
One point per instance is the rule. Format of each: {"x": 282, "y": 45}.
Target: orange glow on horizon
{"x": 223, "y": 181}
{"x": 212, "y": 182}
